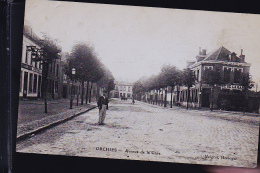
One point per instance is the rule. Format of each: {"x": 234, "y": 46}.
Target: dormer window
{"x": 229, "y": 57}
{"x": 208, "y": 67}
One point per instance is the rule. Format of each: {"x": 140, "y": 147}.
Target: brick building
{"x": 229, "y": 92}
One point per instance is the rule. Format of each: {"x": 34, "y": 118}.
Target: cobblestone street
{"x": 149, "y": 132}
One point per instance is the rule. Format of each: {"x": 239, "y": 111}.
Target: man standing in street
{"x": 102, "y": 106}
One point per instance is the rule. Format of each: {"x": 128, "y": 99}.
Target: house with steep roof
{"x": 227, "y": 93}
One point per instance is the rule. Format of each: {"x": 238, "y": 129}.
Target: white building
{"x": 122, "y": 90}
{"x": 31, "y": 71}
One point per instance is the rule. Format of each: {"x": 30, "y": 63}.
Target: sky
{"x": 137, "y": 41}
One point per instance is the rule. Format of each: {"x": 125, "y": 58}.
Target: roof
{"x": 222, "y": 54}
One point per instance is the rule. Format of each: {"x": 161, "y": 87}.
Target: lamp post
{"x": 73, "y": 72}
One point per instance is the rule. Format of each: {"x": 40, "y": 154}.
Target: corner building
{"x": 31, "y": 71}
{"x": 229, "y": 92}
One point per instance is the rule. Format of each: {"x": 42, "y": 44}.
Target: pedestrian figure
{"x": 133, "y": 101}
{"x": 102, "y": 106}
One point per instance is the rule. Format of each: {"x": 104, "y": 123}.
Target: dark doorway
{"x": 64, "y": 91}
{"x": 205, "y": 97}
{"x": 25, "y": 79}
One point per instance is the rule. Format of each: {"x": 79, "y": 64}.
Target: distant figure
{"x": 102, "y": 106}
{"x": 133, "y": 101}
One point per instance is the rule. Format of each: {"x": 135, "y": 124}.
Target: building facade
{"x": 31, "y": 78}
{"x": 228, "y": 93}
{"x": 122, "y": 90}
{"x": 31, "y": 71}
{"x": 55, "y": 80}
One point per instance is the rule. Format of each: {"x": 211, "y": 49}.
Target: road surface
{"x": 150, "y": 132}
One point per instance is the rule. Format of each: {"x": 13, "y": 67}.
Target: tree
{"x": 107, "y": 82}
{"x": 246, "y": 82}
{"x": 88, "y": 66}
{"x": 138, "y": 89}
{"x": 48, "y": 53}
{"x": 212, "y": 78}
{"x": 188, "y": 79}
{"x": 172, "y": 76}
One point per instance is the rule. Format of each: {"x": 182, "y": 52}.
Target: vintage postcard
{"x": 139, "y": 83}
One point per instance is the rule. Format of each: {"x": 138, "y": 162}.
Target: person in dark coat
{"x": 102, "y": 106}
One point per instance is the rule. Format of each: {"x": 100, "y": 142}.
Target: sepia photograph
{"x": 139, "y": 83}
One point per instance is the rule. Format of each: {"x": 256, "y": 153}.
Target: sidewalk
{"x": 250, "y": 118}
{"x": 31, "y": 116}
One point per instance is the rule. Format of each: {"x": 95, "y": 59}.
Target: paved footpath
{"x": 149, "y": 132}
{"x": 31, "y": 116}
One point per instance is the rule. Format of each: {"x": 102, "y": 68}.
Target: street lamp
{"x": 73, "y": 72}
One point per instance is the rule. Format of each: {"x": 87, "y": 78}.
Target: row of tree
{"x": 89, "y": 70}
{"x": 83, "y": 58}
{"x": 171, "y": 76}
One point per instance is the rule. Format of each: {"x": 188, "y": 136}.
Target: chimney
{"x": 204, "y": 51}
{"x": 242, "y": 57}
{"x": 199, "y": 50}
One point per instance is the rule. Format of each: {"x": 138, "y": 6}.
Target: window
{"x": 39, "y": 85}
{"x": 31, "y": 59}
{"x": 196, "y": 95}
{"x": 25, "y": 82}
{"x": 237, "y": 74}
{"x": 129, "y": 89}
{"x": 198, "y": 73}
{"x": 208, "y": 67}
{"x": 30, "y": 82}
{"x": 227, "y": 71}
{"x": 50, "y": 68}
{"x": 26, "y": 57}
{"x": 57, "y": 70}
{"x": 34, "y": 83}
{"x": 40, "y": 65}
{"x": 56, "y": 87}
{"x": 21, "y": 75}
{"x": 53, "y": 68}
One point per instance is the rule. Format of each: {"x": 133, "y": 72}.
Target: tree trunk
{"x": 178, "y": 94}
{"x": 77, "y": 98}
{"x": 82, "y": 92}
{"x": 211, "y": 107}
{"x": 97, "y": 94}
{"x": 108, "y": 92}
{"x": 87, "y": 92}
{"x": 165, "y": 98}
{"x": 156, "y": 97}
{"x": 171, "y": 95}
{"x": 90, "y": 92}
{"x": 46, "y": 69}
{"x": 162, "y": 98}
{"x": 188, "y": 97}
